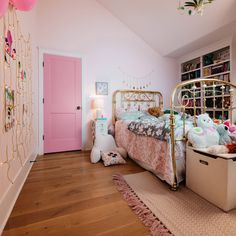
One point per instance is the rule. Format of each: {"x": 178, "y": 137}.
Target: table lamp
{"x": 98, "y": 106}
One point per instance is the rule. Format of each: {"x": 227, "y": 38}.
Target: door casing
{"x": 39, "y": 94}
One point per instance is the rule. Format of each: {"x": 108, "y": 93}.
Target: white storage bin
{"x": 212, "y": 177}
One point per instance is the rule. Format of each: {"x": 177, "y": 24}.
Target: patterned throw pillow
{"x": 112, "y": 158}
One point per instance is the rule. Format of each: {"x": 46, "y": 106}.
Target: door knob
{"x": 78, "y": 107}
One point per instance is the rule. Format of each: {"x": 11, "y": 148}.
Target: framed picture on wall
{"x": 101, "y": 88}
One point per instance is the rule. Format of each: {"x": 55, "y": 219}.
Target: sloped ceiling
{"x": 170, "y": 32}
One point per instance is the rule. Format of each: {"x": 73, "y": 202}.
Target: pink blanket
{"x": 150, "y": 153}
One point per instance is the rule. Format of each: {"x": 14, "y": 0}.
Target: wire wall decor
{"x": 16, "y": 96}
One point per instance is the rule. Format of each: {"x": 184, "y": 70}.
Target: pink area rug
{"x": 181, "y": 213}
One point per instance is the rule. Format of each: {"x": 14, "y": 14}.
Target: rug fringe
{"x": 140, "y": 209}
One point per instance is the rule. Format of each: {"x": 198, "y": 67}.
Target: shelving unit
{"x": 212, "y": 64}
{"x": 191, "y": 69}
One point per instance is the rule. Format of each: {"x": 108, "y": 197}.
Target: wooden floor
{"x": 67, "y": 195}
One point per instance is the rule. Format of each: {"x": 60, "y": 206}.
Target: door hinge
{"x": 43, "y": 100}
{"x": 43, "y": 63}
{"x": 43, "y": 137}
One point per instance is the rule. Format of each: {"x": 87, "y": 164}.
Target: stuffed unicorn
{"x": 205, "y": 134}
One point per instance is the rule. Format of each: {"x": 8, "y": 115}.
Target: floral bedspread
{"x": 152, "y": 154}
{"x": 158, "y": 128}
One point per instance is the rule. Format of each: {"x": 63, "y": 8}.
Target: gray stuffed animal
{"x": 224, "y": 134}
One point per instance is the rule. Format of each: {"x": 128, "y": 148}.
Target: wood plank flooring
{"x": 67, "y": 195}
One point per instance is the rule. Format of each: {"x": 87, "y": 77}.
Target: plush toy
{"x": 105, "y": 143}
{"x": 155, "y": 111}
{"x": 217, "y": 149}
{"x": 216, "y": 121}
{"x": 231, "y": 147}
{"x": 227, "y": 123}
{"x": 232, "y": 128}
{"x": 224, "y": 134}
{"x": 222, "y": 149}
{"x": 205, "y": 135}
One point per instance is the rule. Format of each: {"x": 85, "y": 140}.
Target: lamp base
{"x": 98, "y": 113}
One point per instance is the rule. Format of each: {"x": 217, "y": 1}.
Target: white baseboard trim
{"x": 8, "y": 202}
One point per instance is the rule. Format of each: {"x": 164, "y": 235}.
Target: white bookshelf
{"x": 210, "y": 62}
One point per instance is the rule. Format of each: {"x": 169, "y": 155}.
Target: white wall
{"x": 84, "y": 27}
{"x": 87, "y": 28}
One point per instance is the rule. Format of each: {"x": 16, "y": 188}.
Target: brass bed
{"x": 216, "y": 98}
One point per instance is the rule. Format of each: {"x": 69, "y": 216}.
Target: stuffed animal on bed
{"x": 205, "y": 134}
{"x": 155, "y": 111}
{"x": 105, "y": 143}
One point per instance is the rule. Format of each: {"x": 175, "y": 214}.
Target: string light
{"x": 136, "y": 82}
{"x": 19, "y": 138}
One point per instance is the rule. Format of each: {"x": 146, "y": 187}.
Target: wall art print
{"x": 101, "y": 88}
{"x": 9, "y": 106}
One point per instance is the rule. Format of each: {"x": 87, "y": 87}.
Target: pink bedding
{"x": 151, "y": 153}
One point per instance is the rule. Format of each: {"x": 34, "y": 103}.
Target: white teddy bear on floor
{"x": 105, "y": 143}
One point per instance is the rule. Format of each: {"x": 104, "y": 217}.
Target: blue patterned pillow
{"x": 131, "y": 115}
{"x": 148, "y": 118}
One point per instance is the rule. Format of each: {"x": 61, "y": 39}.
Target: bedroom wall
{"x": 107, "y": 47}
{"x": 19, "y": 144}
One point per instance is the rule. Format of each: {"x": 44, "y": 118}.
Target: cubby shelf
{"x": 191, "y": 71}
{"x": 214, "y": 64}
{"x": 216, "y": 96}
{"x": 214, "y": 75}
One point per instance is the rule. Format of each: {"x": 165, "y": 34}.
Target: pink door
{"x": 62, "y": 103}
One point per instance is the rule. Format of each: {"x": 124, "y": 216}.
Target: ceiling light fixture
{"x": 194, "y": 7}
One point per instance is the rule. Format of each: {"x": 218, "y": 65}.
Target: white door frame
{"x": 41, "y": 52}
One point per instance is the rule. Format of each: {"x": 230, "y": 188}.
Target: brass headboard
{"x": 138, "y": 100}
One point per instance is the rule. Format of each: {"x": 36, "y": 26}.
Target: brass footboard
{"x": 197, "y": 96}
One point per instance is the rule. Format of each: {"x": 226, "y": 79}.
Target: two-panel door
{"x": 62, "y": 103}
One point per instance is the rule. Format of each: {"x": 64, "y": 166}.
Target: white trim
{"x": 41, "y": 52}
{"x": 13, "y": 192}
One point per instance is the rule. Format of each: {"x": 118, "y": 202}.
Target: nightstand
{"x": 99, "y": 126}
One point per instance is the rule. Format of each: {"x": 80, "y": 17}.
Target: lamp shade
{"x": 98, "y": 103}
